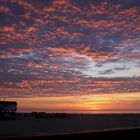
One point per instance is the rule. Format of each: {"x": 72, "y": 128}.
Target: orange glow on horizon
{"x": 82, "y": 104}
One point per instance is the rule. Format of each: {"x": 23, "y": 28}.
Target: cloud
{"x": 69, "y": 47}
{"x": 106, "y": 72}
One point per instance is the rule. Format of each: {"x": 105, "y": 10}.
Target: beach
{"x": 72, "y": 124}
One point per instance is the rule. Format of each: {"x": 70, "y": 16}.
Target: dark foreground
{"x": 116, "y": 134}
{"x": 121, "y": 126}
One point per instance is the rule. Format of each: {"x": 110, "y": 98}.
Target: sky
{"x": 70, "y": 55}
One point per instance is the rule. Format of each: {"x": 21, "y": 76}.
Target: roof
{"x": 8, "y": 102}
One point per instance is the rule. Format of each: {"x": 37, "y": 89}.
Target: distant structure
{"x": 8, "y": 110}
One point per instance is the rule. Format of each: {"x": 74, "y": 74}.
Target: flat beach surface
{"x": 28, "y": 126}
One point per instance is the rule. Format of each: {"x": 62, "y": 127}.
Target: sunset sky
{"x": 70, "y": 55}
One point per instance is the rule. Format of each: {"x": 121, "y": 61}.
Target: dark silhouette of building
{"x": 8, "y": 110}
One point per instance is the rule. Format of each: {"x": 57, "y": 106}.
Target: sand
{"x": 28, "y": 126}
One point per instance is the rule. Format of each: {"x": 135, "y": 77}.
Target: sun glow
{"x": 86, "y": 103}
